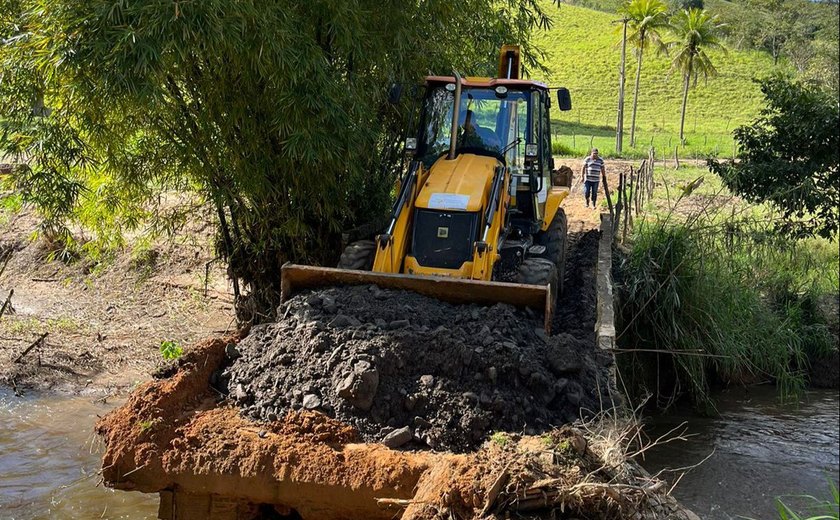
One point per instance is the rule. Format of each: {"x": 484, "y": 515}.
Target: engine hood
{"x": 460, "y": 184}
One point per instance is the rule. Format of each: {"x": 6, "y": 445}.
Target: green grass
{"x": 582, "y": 55}
{"x": 27, "y": 325}
{"x": 725, "y": 302}
{"x": 819, "y": 509}
{"x": 720, "y": 294}
{"x": 500, "y": 438}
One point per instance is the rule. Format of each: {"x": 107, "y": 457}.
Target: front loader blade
{"x": 297, "y": 278}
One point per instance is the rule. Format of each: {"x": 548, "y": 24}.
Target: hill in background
{"x": 583, "y": 53}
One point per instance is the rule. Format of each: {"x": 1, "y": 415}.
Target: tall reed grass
{"x": 705, "y": 300}
{"x": 819, "y": 508}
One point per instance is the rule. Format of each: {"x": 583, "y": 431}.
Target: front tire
{"x": 358, "y": 256}
{"x": 539, "y": 271}
{"x": 554, "y": 240}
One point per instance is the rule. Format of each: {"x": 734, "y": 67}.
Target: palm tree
{"x": 696, "y": 30}
{"x": 645, "y": 19}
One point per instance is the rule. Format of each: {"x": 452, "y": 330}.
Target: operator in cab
{"x": 475, "y": 135}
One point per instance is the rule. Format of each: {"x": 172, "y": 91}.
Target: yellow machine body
{"x": 466, "y": 186}
{"x": 467, "y": 176}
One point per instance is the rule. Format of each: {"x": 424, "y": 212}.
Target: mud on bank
{"x": 176, "y": 436}
{"x": 105, "y": 319}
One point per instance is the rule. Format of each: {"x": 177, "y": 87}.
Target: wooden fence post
{"x": 619, "y": 206}
{"x": 652, "y": 164}
{"x": 607, "y": 194}
{"x": 634, "y": 182}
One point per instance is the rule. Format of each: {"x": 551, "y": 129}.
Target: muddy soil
{"x": 405, "y": 369}
{"x": 104, "y": 320}
{"x": 176, "y": 434}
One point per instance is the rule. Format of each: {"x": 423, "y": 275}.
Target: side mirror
{"x": 395, "y": 94}
{"x": 564, "y": 99}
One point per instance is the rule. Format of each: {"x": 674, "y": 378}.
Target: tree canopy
{"x": 646, "y": 18}
{"x": 696, "y": 31}
{"x": 790, "y": 157}
{"x": 274, "y": 112}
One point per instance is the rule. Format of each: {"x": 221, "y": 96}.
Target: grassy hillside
{"x": 583, "y": 54}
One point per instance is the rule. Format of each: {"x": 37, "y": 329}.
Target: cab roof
{"x": 474, "y": 81}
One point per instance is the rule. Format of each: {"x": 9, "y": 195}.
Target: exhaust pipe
{"x": 456, "y": 109}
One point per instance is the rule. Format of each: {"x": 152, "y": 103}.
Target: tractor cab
{"x": 506, "y": 119}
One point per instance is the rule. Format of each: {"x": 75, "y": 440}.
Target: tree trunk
{"x": 686, "y": 82}
{"x": 636, "y": 99}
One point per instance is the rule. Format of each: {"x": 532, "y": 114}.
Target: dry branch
{"x": 399, "y": 502}
{"x": 495, "y": 489}
{"x": 7, "y": 303}
{"x": 32, "y": 346}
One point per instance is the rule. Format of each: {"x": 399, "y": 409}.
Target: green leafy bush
{"x": 171, "y": 350}
{"x": 789, "y": 157}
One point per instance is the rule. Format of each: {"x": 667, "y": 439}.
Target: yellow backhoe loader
{"x": 476, "y": 218}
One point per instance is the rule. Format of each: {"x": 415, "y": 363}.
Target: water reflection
{"x": 760, "y": 450}
{"x": 49, "y": 459}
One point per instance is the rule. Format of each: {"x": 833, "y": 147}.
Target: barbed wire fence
{"x": 582, "y": 129}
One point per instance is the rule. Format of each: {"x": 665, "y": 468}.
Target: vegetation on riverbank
{"x": 731, "y": 283}
{"x": 276, "y": 114}
{"x": 722, "y": 300}
{"x": 722, "y": 297}
{"x": 820, "y": 509}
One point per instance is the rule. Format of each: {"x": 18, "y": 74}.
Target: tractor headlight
{"x": 501, "y": 91}
{"x": 410, "y": 144}
{"x": 531, "y": 151}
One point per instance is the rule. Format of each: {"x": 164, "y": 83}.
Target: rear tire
{"x": 538, "y": 271}
{"x": 358, "y": 256}
{"x": 554, "y": 240}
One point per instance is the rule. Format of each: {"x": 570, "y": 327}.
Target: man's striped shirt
{"x": 593, "y": 168}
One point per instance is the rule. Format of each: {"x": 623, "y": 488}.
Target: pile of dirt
{"x": 173, "y": 436}
{"x": 407, "y": 370}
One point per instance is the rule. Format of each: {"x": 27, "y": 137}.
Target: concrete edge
{"x": 605, "y": 335}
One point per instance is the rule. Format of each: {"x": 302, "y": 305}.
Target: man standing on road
{"x": 593, "y": 168}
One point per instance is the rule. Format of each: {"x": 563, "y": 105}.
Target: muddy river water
{"x": 49, "y": 457}
{"x": 49, "y": 463}
{"x": 758, "y": 450}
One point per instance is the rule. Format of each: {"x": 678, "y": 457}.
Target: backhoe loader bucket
{"x": 297, "y": 278}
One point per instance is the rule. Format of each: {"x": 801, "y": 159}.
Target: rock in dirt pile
{"x": 409, "y": 370}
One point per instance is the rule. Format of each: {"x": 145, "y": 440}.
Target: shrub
{"x": 171, "y": 350}
{"x": 726, "y": 300}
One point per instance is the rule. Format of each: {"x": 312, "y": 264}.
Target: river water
{"x": 49, "y": 457}
{"x": 758, "y": 450}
